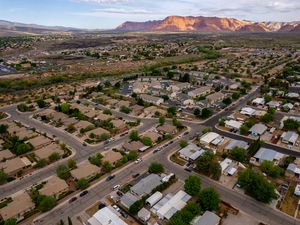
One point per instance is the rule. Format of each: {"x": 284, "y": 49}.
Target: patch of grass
{"x": 175, "y": 158}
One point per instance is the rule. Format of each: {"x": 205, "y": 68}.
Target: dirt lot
{"x": 290, "y": 202}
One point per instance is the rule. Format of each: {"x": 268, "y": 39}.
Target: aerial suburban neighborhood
{"x": 187, "y": 120}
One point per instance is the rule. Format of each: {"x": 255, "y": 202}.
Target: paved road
{"x": 82, "y": 152}
{"x": 245, "y": 203}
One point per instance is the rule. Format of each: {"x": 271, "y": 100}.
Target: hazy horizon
{"x": 108, "y": 14}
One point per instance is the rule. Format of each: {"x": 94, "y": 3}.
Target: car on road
{"x": 111, "y": 139}
{"x": 155, "y": 151}
{"x": 84, "y": 144}
{"x": 83, "y": 193}
{"x": 135, "y": 175}
{"x": 73, "y": 199}
{"x": 188, "y": 169}
{"x": 116, "y": 187}
{"x": 110, "y": 177}
{"x": 186, "y": 133}
{"x": 138, "y": 160}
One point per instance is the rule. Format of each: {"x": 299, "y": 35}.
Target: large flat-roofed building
{"x": 174, "y": 204}
{"x": 21, "y": 203}
{"x": 54, "y": 187}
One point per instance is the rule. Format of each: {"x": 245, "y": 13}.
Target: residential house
{"x": 208, "y": 218}
{"x": 85, "y": 170}
{"x": 248, "y": 111}
{"x": 151, "y": 99}
{"x": 185, "y": 99}
{"x": 120, "y": 125}
{"x": 137, "y": 110}
{"x": 258, "y": 129}
{"x": 173, "y": 205}
{"x": 236, "y": 143}
{"x": 6, "y": 154}
{"x": 146, "y": 185}
{"x": 133, "y": 146}
{"x": 289, "y": 137}
{"x": 112, "y": 157}
{"x": 274, "y": 104}
{"x": 204, "y": 90}
{"x": 152, "y": 135}
{"x": 153, "y": 110}
{"x": 265, "y": 154}
{"x": 12, "y": 166}
{"x": 215, "y": 97}
{"x": 39, "y": 141}
{"x": 98, "y": 132}
{"x": 167, "y": 129}
{"x": 258, "y": 101}
{"x": 140, "y": 87}
{"x": 191, "y": 152}
{"x": 20, "y": 205}
{"x": 83, "y": 124}
{"x": 123, "y": 103}
{"x": 46, "y": 151}
{"x": 105, "y": 216}
{"x": 144, "y": 215}
{"x": 54, "y": 187}
{"x": 233, "y": 124}
{"x": 209, "y": 137}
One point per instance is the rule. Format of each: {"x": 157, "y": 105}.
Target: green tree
{"x": 270, "y": 169}
{"x": 227, "y": 101}
{"x": 162, "y": 120}
{"x": 54, "y": 156}
{"x": 197, "y": 112}
{"x": 96, "y": 159}
{"x": 3, "y": 177}
{"x": 107, "y": 112}
{"x": 63, "y": 172}
{"x": 268, "y": 117}
{"x": 125, "y": 109}
{"x": 156, "y": 168}
{"x": 203, "y": 162}
{"x": 41, "y": 103}
{"x": 215, "y": 170}
{"x": 107, "y": 167}
{"x": 257, "y": 186}
{"x": 183, "y": 143}
{"x": 244, "y": 130}
{"x": 22, "y": 149}
{"x": 238, "y": 154}
{"x": 65, "y": 108}
{"x": 11, "y": 221}
{"x": 41, "y": 163}
{"x": 206, "y": 113}
{"x": 3, "y": 128}
{"x": 46, "y": 203}
{"x": 134, "y": 136}
{"x": 172, "y": 110}
{"x": 136, "y": 207}
{"x": 146, "y": 141}
{"x": 132, "y": 155}
{"x": 72, "y": 164}
{"x": 192, "y": 185}
{"x": 82, "y": 184}
{"x": 209, "y": 199}
{"x": 235, "y": 95}
{"x": 291, "y": 124}
{"x": 268, "y": 98}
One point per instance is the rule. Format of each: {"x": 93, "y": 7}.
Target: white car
{"x": 116, "y": 187}
{"x": 138, "y": 161}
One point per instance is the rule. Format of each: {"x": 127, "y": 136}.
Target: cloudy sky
{"x": 104, "y": 14}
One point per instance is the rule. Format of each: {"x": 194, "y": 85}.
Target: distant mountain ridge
{"x": 208, "y": 24}
{"x": 15, "y": 28}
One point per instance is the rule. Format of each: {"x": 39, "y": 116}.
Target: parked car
{"x": 83, "y": 193}
{"x": 116, "y": 208}
{"x": 73, "y": 199}
{"x": 119, "y": 193}
{"x": 188, "y": 169}
{"x": 116, "y": 187}
{"x": 110, "y": 177}
{"x": 84, "y": 144}
{"x": 124, "y": 214}
{"x": 138, "y": 160}
{"x": 135, "y": 175}
{"x": 101, "y": 205}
